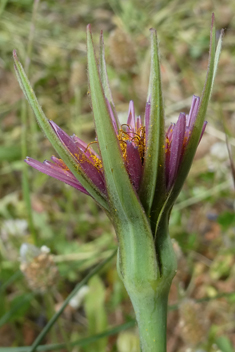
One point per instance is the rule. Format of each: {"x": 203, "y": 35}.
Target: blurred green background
{"x": 52, "y": 43}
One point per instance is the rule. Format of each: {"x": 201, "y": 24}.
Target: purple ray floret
{"x": 86, "y": 164}
{"x": 133, "y": 140}
{"x": 176, "y": 149}
{"x": 177, "y": 138}
{"x": 193, "y": 112}
{"x": 89, "y": 162}
{"x": 138, "y": 122}
{"x": 57, "y": 172}
{"x": 134, "y": 164}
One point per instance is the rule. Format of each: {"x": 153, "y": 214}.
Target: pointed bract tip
{"x": 88, "y": 27}
{"x": 152, "y": 30}
{"x": 212, "y": 19}
{"x": 101, "y": 38}
{"x": 15, "y": 55}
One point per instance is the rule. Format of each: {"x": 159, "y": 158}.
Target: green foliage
{"x": 226, "y": 219}
{"x": 224, "y": 344}
{"x": 18, "y": 308}
{"x": 76, "y": 230}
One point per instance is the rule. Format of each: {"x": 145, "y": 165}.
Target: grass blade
{"x": 60, "y": 311}
{"x": 14, "y": 277}
{"x": 80, "y": 342}
{"x": 110, "y": 332}
{"x": 23, "y": 116}
{"x": 4, "y": 319}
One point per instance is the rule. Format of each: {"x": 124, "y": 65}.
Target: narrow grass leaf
{"x": 232, "y": 166}
{"x": 62, "y": 308}
{"x": 17, "y": 275}
{"x": 81, "y": 342}
{"x": 9, "y": 153}
{"x": 113, "y": 331}
{"x": 4, "y": 319}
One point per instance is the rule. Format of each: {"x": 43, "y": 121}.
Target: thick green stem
{"x": 151, "y": 316}
{"x": 147, "y": 268}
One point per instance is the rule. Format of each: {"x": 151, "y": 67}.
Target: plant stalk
{"x": 151, "y": 316}
{"x": 147, "y": 273}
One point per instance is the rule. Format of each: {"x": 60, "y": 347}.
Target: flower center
{"x": 136, "y": 138}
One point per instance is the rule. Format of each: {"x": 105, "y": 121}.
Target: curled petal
{"x": 55, "y": 171}
{"x": 134, "y": 165}
{"x": 176, "y": 149}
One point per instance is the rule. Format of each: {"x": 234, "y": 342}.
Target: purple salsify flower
{"x": 132, "y": 138}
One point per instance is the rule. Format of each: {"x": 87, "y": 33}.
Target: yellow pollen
{"x": 64, "y": 166}
{"x": 123, "y": 136}
{"x": 137, "y": 139}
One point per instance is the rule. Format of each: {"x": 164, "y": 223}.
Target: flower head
{"x": 139, "y": 162}
{"x": 132, "y": 138}
{"x": 136, "y": 177}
